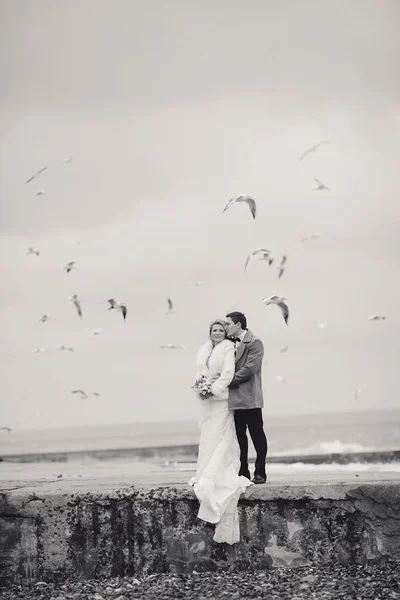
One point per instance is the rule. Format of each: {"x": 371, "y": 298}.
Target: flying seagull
{"x": 8, "y": 429}
{"x": 175, "y": 346}
{"x": 282, "y": 267}
{"x": 37, "y": 350}
{"x": 320, "y": 186}
{"x": 83, "y": 395}
{"x": 313, "y": 236}
{"x": 280, "y": 379}
{"x": 377, "y": 318}
{"x": 196, "y": 283}
{"x": 32, "y": 251}
{"x": 71, "y": 265}
{"x": 248, "y": 199}
{"x": 280, "y": 301}
{"x": 171, "y": 308}
{"x": 321, "y": 325}
{"x": 39, "y": 193}
{"x": 36, "y": 175}
{"x": 66, "y": 348}
{"x": 265, "y": 255}
{"x": 67, "y": 160}
{"x": 284, "y": 349}
{"x": 44, "y": 318}
{"x": 117, "y": 305}
{"x": 80, "y": 392}
{"x": 313, "y": 148}
{"x": 76, "y": 303}
{"x": 95, "y": 332}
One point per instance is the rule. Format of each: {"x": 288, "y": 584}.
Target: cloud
{"x": 73, "y": 56}
{"x": 167, "y": 114}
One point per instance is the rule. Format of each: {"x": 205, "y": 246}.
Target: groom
{"x": 245, "y": 394}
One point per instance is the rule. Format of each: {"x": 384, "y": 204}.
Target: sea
{"x": 324, "y": 438}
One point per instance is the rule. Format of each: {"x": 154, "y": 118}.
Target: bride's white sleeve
{"x": 228, "y": 370}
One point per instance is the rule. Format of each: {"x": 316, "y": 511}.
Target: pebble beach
{"x": 361, "y": 582}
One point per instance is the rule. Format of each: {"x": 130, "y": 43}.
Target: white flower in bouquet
{"x": 202, "y": 386}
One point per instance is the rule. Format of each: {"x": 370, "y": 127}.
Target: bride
{"x": 217, "y": 484}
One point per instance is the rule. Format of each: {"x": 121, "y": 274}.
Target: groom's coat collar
{"x": 247, "y": 338}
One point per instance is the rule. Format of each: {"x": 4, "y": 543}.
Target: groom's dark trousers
{"x": 246, "y": 401}
{"x": 251, "y": 419}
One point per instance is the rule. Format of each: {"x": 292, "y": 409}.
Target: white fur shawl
{"x": 217, "y": 362}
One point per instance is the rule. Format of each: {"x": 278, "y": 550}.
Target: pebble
{"x": 364, "y": 582}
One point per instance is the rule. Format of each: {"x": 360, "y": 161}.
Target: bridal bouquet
{"x": 202, "y": 387}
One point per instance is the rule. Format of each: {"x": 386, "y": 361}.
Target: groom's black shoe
{"x": 259, "y": 479}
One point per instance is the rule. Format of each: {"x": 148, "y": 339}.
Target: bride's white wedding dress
{"x": 217, "y": 484}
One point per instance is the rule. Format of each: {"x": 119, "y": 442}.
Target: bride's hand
{"x": 214, "y": 378}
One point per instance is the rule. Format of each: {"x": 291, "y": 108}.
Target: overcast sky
{"x": 168, "y": 110}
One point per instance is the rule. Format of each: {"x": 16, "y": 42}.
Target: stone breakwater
{"x": 93, "y": 531}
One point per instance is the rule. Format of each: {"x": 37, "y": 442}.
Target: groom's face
{"x": 232, "y": 328}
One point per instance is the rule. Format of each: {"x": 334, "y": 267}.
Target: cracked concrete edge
{"x": 25, "y": 493}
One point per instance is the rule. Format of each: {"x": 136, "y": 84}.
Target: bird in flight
{"x": 312, "y": 149}
{"x": 39, "y": 193}
{"x": 44, "y": 318}
{"x": 171, "y": 308}
{"x": 67, "y": 160}
{"x": 69, "y": 266}
{"x": 377, "y": 318}
{"x": 280, "y": 379}
{"x": 95, "y": 332}
{"x": 320, "y": 186}
{"x": 8, "y": 429}
{"x": 66, "y": 348}
{"x": 249, "y": 201}
{"x": 282, "y": 266}
{"x": 280, "y": 301}
{"x": 76, "y": 302}
{"x": 174, "y": 346}
{"x": 265, "y": 255}
{"x": 36, "y": 175}
{"x": 83, "y": 395}
{"x": 117, "y": 305}
{"x": 284, "y": 349}
{"x": 313, "y": 236}
{"x": 32, "y": 251}
{"x": 37, "y": 350}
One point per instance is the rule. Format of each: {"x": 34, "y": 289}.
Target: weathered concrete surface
{"x": 97, "y": 528}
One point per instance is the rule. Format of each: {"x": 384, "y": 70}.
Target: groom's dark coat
{"x": 245, "y": 390}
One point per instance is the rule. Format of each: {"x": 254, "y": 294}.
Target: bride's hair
{"x": 221, "y": 322}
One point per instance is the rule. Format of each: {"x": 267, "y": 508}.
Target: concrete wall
{"x": 48, "y": 535}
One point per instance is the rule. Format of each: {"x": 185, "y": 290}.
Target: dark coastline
{"x": 188, "y": 454}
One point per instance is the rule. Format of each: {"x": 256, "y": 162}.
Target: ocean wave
{"x": 330, "y": 447}
{"x": 352, "y": 467}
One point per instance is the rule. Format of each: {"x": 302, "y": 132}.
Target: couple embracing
{"x": 228, "y": 384}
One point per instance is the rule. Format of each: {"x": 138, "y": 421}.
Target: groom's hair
{"x": 238, "y": 317}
